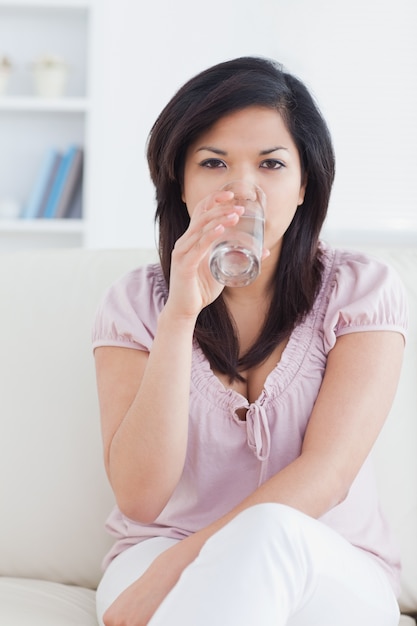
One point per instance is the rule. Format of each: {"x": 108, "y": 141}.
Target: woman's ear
{"x": 302, "y": 191}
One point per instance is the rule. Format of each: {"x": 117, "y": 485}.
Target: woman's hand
{"x": 137, "y": 604}
{"x": 192, "y": 286}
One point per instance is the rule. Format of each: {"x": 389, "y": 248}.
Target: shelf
{"x": 44, "y": 105}
{"x": 45, "y": 4}
{"x": 42, "y": 227}
{"x": 30, "y": 125}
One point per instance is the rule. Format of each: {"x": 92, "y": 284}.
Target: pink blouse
{"x": 228, "y": 458}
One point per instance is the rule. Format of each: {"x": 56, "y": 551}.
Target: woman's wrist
{"x": 172, "y": 319}
{"x": 183, "y": 553}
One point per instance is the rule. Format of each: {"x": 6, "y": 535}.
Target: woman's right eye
{"x": 212, "y": 163}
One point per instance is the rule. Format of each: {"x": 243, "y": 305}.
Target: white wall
{"x": 359, "y": 59}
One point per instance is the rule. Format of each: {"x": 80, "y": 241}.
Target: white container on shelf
{"x": 4, "y": 80}
{"x": 5, "y": 71}
{"x": 50, "y": 77}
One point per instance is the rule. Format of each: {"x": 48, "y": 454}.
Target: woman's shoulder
{"x": 361, "y": 292}
{"x": 146, "y": 279}
{"x": 353, "y": 270}
{"x": 130, "y": 308}
{"x": 347, "y": 268}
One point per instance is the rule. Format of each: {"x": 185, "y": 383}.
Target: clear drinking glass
{"x": 235, "y": 260}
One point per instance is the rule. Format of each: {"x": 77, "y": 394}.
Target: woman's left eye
{"x": 272, "y": 164}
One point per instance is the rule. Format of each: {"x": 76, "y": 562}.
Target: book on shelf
{"x": 75, "y": 210}
{"x": 57, "y": 189}
{"x": 71, "y": 184}
{"x": 42, "y": 184}
{"x": 67, "y": 180}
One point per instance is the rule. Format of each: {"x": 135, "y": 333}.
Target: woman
{"x": 237, "y": 422}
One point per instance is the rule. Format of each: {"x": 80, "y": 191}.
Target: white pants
{"x": 270, "y": 566}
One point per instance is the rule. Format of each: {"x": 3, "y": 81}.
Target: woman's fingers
{"x": 218, "y": 197}
{"x": 204, "y": 233}
{"x": 190, "y": 274}
{"x": 208, "y": 221}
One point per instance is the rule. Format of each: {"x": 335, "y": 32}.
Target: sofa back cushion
{"x": 54, "y": 494}
{"x": 395, "y": 453}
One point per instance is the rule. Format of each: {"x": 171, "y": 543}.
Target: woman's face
{"x": 252, "y": 144}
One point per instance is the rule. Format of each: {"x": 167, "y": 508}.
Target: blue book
{"x": 59, "y": 182}
{"x": 45, "y": 175}
{"x": 48, "y": 187}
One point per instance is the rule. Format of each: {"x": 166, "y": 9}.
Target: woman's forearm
{"x": 303, "y": 485}
{"x": 147, "y": 452}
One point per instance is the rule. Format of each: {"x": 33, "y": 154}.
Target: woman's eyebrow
{"x": 224, "y": 153}
{"x": 212, "y": 149}
{"x": 270, "y": 150}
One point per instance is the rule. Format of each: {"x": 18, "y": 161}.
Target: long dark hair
{"x": 200, "y": 103}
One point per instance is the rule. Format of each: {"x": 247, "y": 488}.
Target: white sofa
{"x": 54, "y": 495}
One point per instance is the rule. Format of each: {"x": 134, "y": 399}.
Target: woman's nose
{"x": 250, "y": 195}
{"x": 243, "y": 189}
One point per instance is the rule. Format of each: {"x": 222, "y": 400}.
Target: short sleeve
{"x": 128, "y": 313}
{"x": 366, "y": 294}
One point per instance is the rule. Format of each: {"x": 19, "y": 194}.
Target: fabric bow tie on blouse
{"x": 258, "y": 434}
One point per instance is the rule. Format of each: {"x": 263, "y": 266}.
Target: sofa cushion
{"x": 26, "y": 602}
{"x": 395, "y": 451}
{"x": 53, "y": 489}
{"x": 54, "y": 493}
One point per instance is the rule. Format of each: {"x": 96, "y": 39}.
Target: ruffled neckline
{"x": 284, "y": 372}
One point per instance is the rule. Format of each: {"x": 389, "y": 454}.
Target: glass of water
{"x": 235, "y": 260}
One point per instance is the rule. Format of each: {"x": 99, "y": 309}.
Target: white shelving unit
{"x": 29, "y": 124}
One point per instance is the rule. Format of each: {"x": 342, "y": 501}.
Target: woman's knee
{"x": 273, "y": 519}
{"x": 265, "y": 526}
